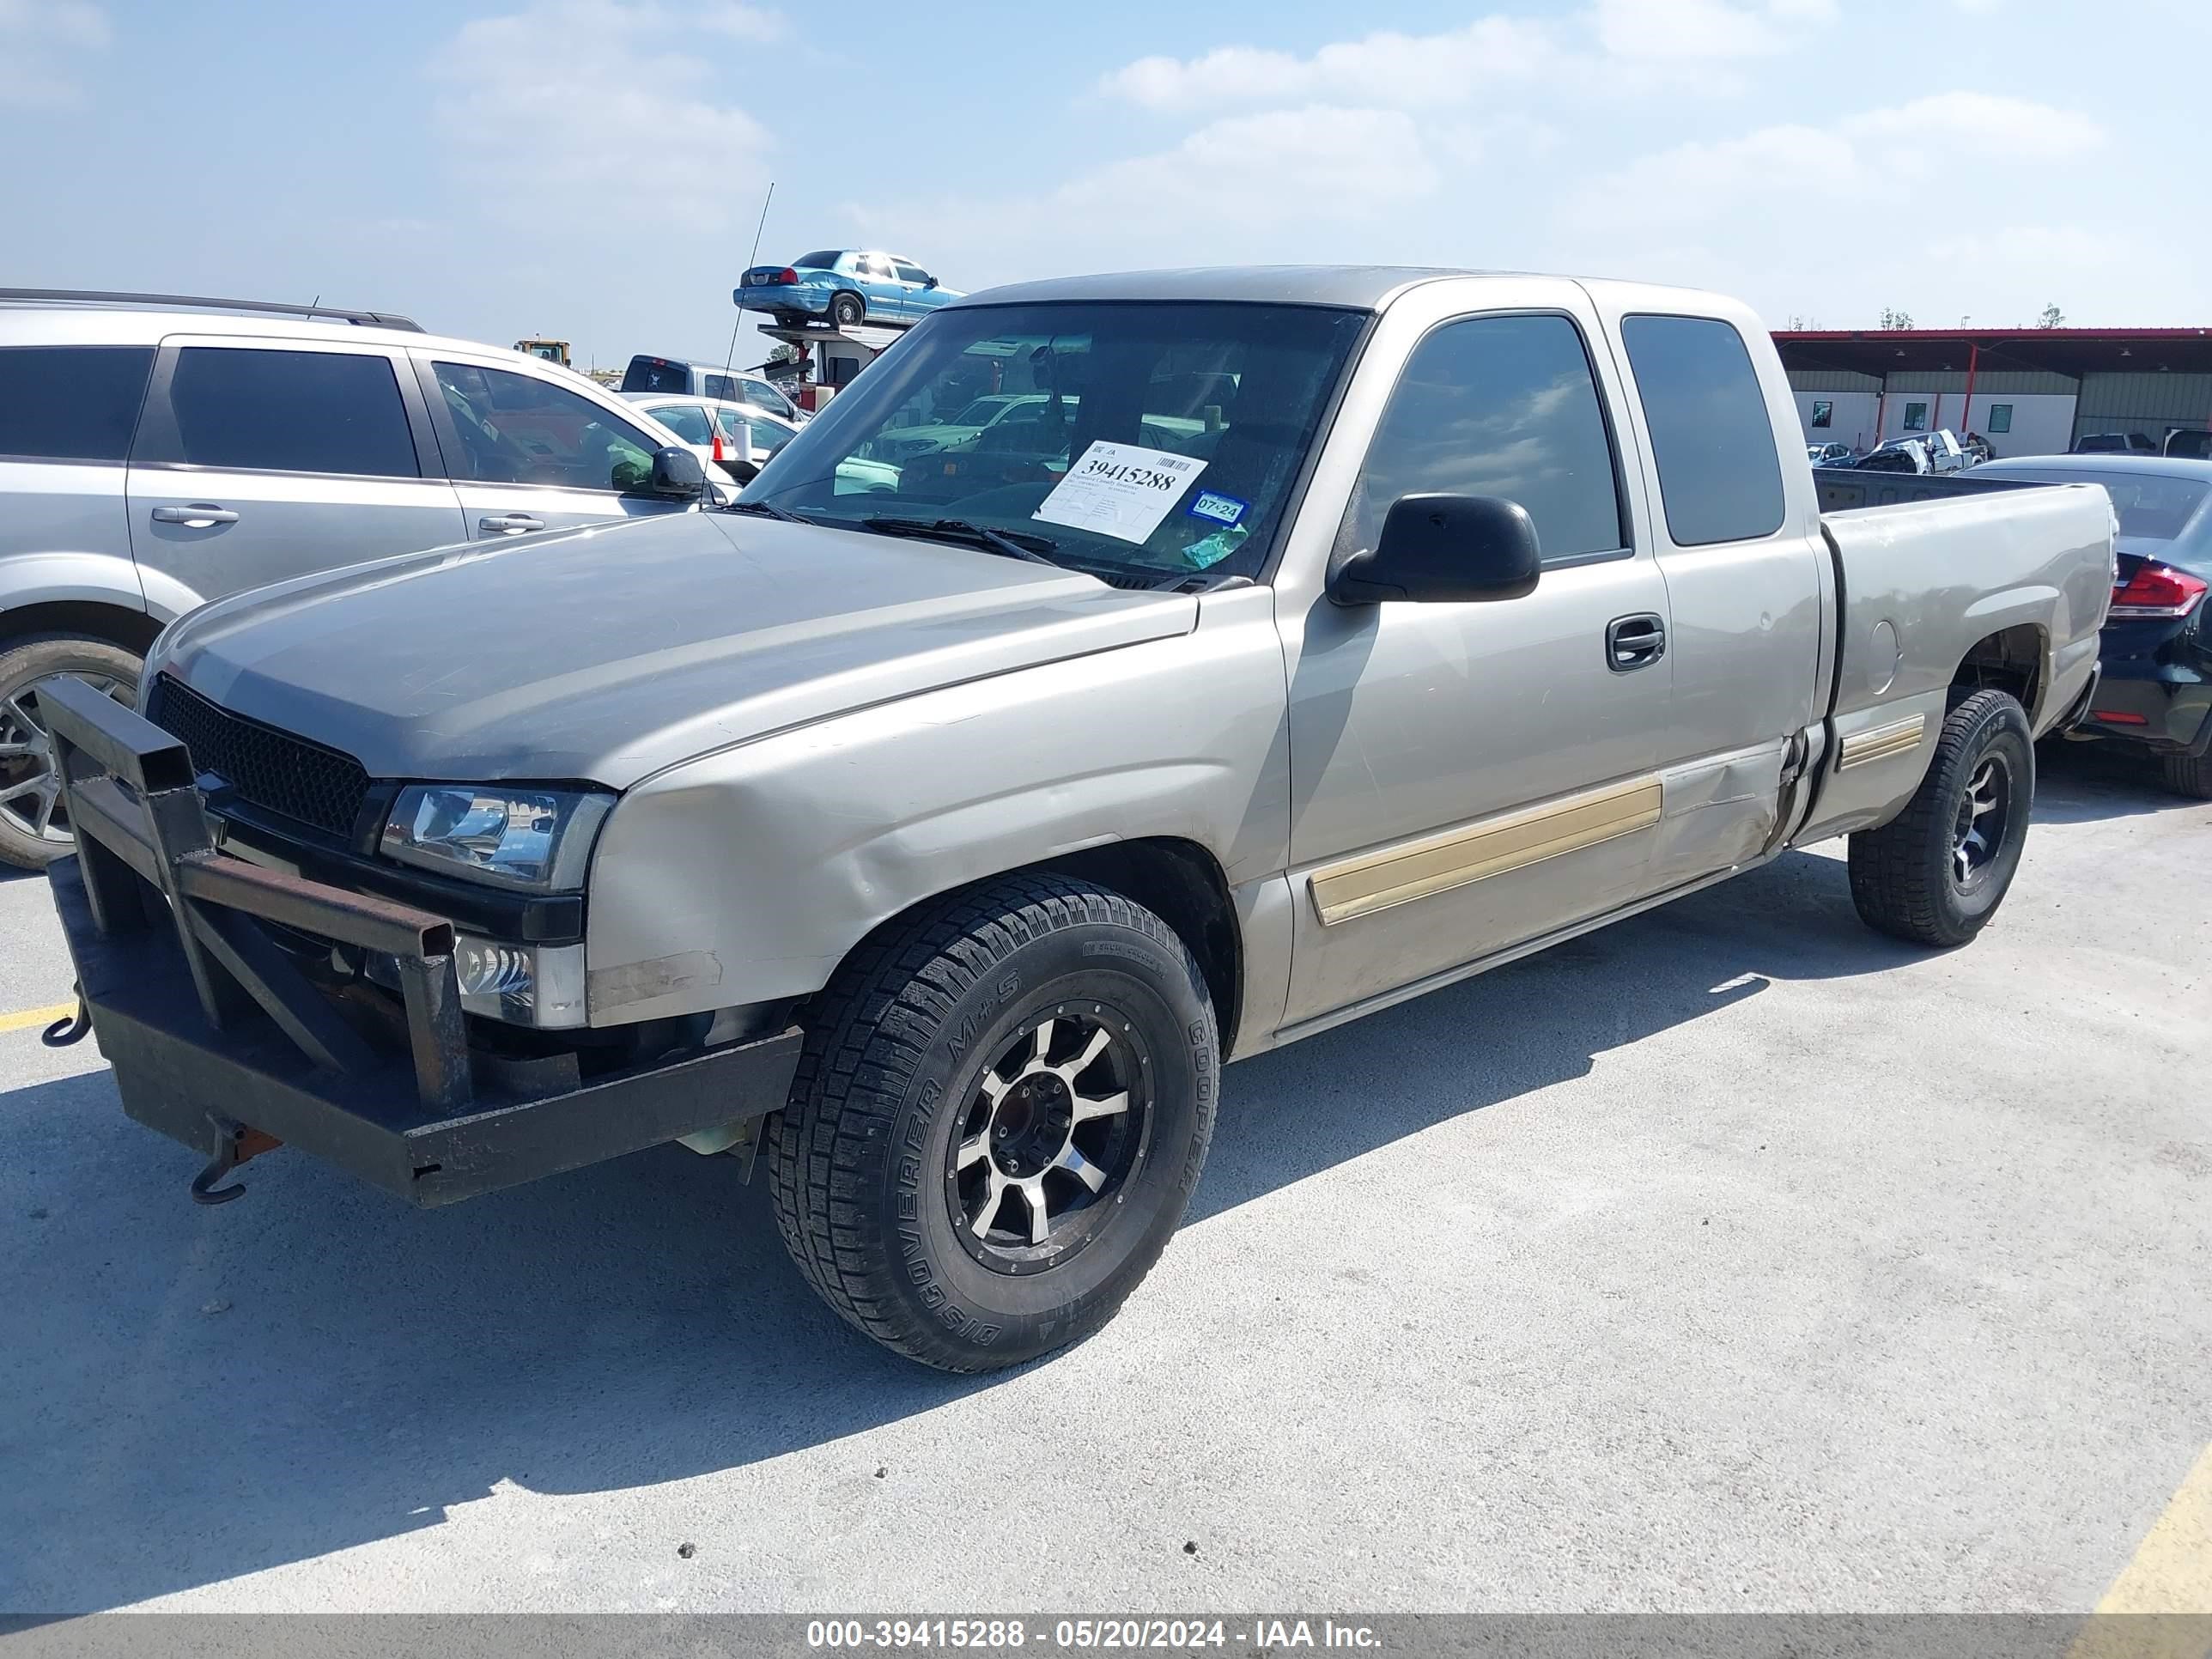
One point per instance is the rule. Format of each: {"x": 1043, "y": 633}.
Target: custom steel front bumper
{"x": 220, "y": 1039}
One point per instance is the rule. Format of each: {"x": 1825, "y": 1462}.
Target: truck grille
{"x": 269, "y": 769}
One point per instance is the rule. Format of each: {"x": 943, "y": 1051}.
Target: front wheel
{"x": 1000, "y": 1114}
{"x": 1936, "y": 874}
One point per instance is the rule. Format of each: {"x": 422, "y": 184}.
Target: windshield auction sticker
{"x": 1122, "y": 490}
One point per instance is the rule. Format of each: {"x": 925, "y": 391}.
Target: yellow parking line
{"x": 36, "y": 1017}
{"x": 2170, "y": 1579}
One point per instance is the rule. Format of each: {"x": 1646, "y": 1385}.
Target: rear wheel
{"x": 2189, "y": 774}
{"x": 848, "y": 309}
{"x": 1001, "y": 1112}
{"x": 1936, "y": 874}
{"x": 34, "y": 820}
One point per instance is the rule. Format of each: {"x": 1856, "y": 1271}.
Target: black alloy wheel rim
{"x": 1054, "y": 1129}
{"x": 1984, "y": 817}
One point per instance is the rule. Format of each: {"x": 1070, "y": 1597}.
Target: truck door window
{"x": 290, "y": 411}
{"x": 71, "y": 403}
{"x": 1498, "y": 406}
{"x": 517, "y": 428}
{"x": 1719, "y": 475}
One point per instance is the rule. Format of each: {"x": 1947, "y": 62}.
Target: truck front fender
{"x": 748, "y": 875}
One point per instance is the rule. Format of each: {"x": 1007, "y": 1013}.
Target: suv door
{"x": 1469, "y": 777}
{"x": 528, "y": 454}
{"x": 260, "y": 459}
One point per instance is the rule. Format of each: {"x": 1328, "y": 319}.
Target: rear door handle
{"x": 199, "y": 515}
{"x": 509, "y": 524}
{"x": 1633, "y": 642}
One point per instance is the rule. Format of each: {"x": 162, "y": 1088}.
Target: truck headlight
{"x": 539, "y": 840}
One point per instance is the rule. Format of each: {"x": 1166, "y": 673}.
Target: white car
{"x": 750, "y": 435}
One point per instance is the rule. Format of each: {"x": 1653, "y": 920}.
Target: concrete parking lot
{"x": 1735, "y": 1258}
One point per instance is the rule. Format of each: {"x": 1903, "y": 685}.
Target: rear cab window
{"x": 1712, "y": 438}
{"x": 656, "y": 374}
{"x": 70, "y": 403}
{"x": 267, "y": 409}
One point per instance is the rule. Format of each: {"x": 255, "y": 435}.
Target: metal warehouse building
{"x": 2028, "y": 391}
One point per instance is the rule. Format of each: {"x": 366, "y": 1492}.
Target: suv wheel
{"x": 1000, "y": 1114}
{"x": 33, "y": 822}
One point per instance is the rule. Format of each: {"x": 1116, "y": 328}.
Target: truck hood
{"x": 606, "y": 653}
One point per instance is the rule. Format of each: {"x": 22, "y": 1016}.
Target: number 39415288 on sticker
{"x": 1122, "y": 490}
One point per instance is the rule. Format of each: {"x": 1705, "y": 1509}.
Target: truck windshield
{"x": 1141, "y": 440}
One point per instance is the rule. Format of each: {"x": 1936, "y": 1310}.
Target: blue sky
{"x": 592, "y": 169}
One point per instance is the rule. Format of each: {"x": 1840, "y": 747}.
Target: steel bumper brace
{"x": 220, "y": 1041}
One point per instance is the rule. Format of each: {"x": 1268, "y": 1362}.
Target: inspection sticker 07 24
{"x": 1122, "y": 490}
{"x": 1212, "y": 504}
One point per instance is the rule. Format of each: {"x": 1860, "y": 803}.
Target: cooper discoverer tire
{"x": 1936, "y": 874}
{"x": 1000, "y": 1113}
{"x": 34, "y": 826}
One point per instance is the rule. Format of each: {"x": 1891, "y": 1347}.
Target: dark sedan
{"x": 2156, "y": 693}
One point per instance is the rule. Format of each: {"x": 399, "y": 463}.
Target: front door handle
{"x": 199, "y": 515}
{"x": 509, "y": 524}
{"x": 1635, "y": 642}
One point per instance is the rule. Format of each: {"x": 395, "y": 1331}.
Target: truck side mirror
{"x": 1444, "y": 550}
{"x": 677, "y": 472}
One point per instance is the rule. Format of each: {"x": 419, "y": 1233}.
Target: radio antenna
{"x": 732, "y": 354}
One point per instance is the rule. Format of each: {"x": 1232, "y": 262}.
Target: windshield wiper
{"x": 1014, "y": 543}
{"x": 770, "y": 508}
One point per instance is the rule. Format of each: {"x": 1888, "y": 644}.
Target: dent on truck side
{"x": 746, "y": 876}
{"x": 1925, "y": 583}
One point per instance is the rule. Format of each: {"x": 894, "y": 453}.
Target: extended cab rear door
{"x": 1735, "y": 530}
{"x": 257, "y": 460}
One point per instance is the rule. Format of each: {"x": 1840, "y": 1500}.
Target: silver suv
{"x": 157, "y": 452}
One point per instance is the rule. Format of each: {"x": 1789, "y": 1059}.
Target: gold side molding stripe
{"x": 1883, "y": 742}
{"x": 1454, "y": 857}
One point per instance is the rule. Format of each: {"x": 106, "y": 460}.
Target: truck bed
{"x": 1928, "y": 571}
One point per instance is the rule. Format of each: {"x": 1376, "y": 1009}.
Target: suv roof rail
{"x": 179, "y": 301}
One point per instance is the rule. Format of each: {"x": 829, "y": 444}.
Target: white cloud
{"x": 40, "y": 41}
{"x": 1456, "y": 66}
{"x": 1881, "y": 150}
{"x": 1401, "y": 71}
{"x": 1700, "y": 31}
{"x": 563, "y": 109}
{"x": 1213, "y": 197}
{"x": 1984, "y": 123}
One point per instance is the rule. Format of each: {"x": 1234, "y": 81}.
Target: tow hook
{"x": 234, "y": 1145}
{"x": 63, "y": 1032}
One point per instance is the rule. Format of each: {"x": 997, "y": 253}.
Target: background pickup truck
{"x": 1332, "y": 636}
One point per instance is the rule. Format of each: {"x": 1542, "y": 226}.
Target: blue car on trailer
{"x": 847, "y": 287}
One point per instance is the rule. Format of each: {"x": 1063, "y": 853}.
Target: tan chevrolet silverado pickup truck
{"x": 1303, "y": 639}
